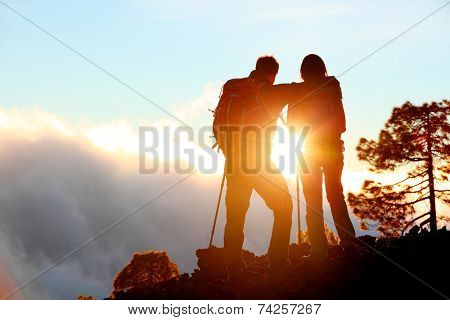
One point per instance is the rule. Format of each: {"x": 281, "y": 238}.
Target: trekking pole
{"x": 218, "y": 206}
{"x": 299, "y": 232}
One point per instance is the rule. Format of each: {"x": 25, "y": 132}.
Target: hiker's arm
{"x": 276, "y": 97}
{"x": 294, "y": 95}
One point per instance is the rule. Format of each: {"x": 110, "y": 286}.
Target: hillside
{"x": 364, "y": 275}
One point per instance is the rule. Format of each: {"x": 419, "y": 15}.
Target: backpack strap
{"x": 266, "y": 109}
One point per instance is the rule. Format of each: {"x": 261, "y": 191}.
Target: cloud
{"x": 58, "y": 189}
{"x": 199, "y": 106}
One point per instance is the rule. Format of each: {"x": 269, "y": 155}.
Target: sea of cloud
{"x": 60, "y": 187}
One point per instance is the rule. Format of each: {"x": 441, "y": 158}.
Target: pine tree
{"x": 415, "y": 139}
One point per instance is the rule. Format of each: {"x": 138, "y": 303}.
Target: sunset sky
{"x": 170, "y": 50}
{"x": 68, "y": 131}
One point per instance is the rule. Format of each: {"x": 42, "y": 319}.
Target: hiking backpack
{"x": 239, "y": 106}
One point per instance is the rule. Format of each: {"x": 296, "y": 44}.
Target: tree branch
{"x": 408, "y": 203}
{"x": 417, "y": 184}
{"x": 416, "y": 191}
{"x": 415, "y": 159}
{"x": 411, "y": 221}
{"x": 409, "y": 177}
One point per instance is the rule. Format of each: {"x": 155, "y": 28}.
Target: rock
{"x": 211, "y": 260}
{"x": 414, "y": 231}
{"x": 368, "y": 239}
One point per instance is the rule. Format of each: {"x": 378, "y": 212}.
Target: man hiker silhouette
{"x": 243, "y": 134}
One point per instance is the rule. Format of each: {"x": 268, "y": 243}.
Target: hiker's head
{"x": 268, "y": 66}
{"x": 313, "y": 67}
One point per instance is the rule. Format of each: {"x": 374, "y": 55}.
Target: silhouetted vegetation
{"x": 417, "y": 140}
{"x": 332, "y": 237}
{"x": 146, "y": 268}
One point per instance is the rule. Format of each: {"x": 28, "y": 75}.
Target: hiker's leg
{"x": 312, "y": 190}
{"x": 333, "y": 173}
{"x": 272, "y": 187}
{"x": 237, "y": 201}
